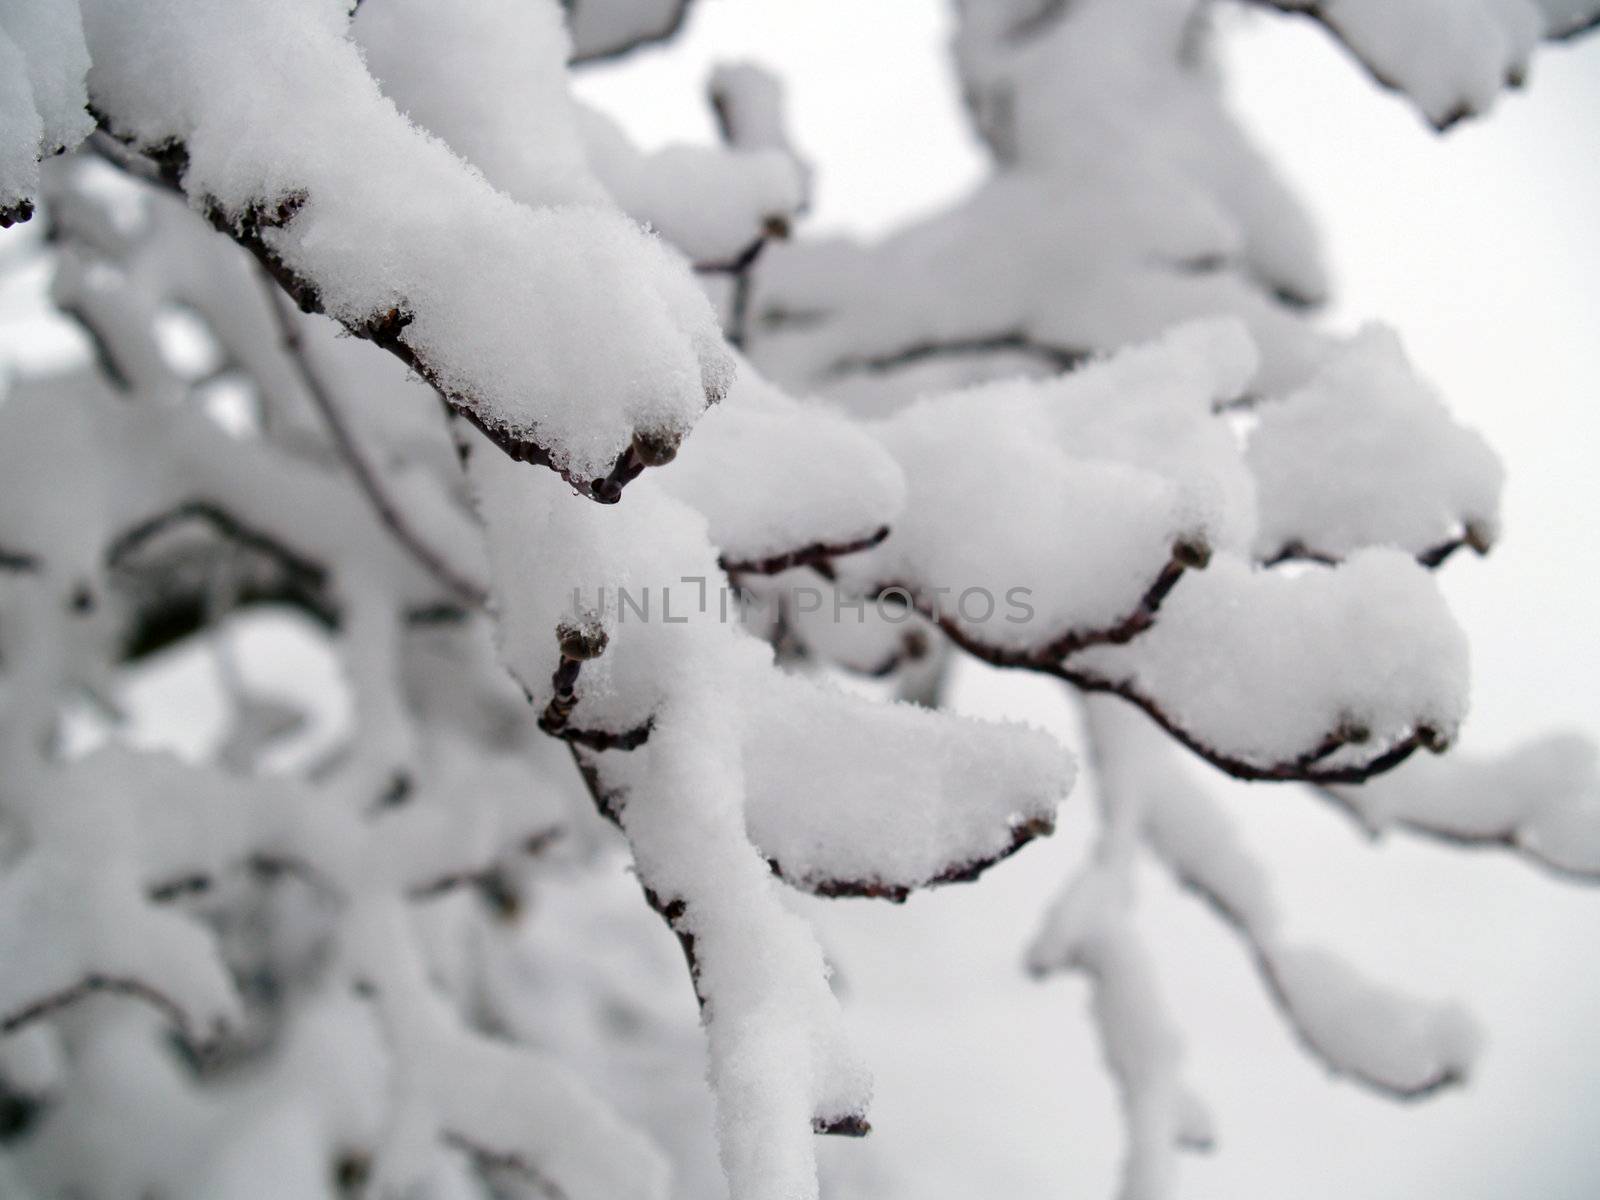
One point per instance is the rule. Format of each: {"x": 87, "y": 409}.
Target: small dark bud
{"x": 776, "y": 226}
{"x": 501, "y": 896}
{"x": 915, "y": 645}
{"x": 1432, "y": 739}
{"x": 398, "y": 791}
{"x": 582, "y": 642}
{"x": 656, "y": 448}
{"x": 1193, "y": 552}
{"x": 351, "y": 1171}
{"x": 1479, "y": 537}
{"x": 1353, "y": 732}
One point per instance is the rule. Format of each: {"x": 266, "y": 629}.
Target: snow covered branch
{"x": 1540, "y": 800}
{"x": 1082, "y": 421}
{"x": 1398, "y": 1046}
{"x": 1451, "y": 59}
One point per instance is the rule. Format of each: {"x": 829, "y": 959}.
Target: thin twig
{"x": 468, "y": 591}
{"x": 94, "y": 982}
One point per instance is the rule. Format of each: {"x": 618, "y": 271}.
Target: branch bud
{"x": 1353, "y": 732}
{"x": 656, "y": 448}
{"x": 581, "y": 643}
{"x": 1192, "y": 550}
{"x": 1432, "y": 739}
{"x": 1480, "y": 536}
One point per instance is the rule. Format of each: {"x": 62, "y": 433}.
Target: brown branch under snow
{"x": 1059, "y": 358}
{"x": 1503, "y": 838}
{"x": 312, "y": 574}
{"x": 95, "y": 982}
{"x": 898, "y": 893}
{"x": 489, "y": 1159}
{"x": 1309, "y": 767}
{"x": 672, "y": 912}
{"x": 1306, "y": 768}
{"x": 1319, "y": 13}
{"x": 484, "y": 878}
{"x": 1185, "y": 556}
{"x": 814, "y": 554}
{"x": 740, "y": 270}
{"x": 1578, "y": 28}
{"x": 166, "y": 165}
{"x": 1474, "y": 535}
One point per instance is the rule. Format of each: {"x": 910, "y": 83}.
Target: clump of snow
{"x": 1543, "y": 798}
{"x": 1265, "y": 665}
{"x": 1370, "y": 1031}
{"x": 604, "y": 28}
{"x": 906, "y": 796}
{"x": 568, "y": 327}
{"x": 1120, "y": 461}
{"x": 712, "y": 203}
{"x": 1451, "y": 57}
{"x": 43, "y": 104}
{"x": 516, "y": 123}
{"x": 1365, "y": 454}
{"x": 20, "y": 130}
{"x": 773, "y": 475}
{"x": 1139, "y": 203}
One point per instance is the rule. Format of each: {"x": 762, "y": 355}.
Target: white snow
{"x": 569, "y": 326}
{"x": 1118, "y": 460}
{"x": 773, "y": 475}
{"x": 1365, "y": 454}
{"x": 43, "y": 105}
{"x": 1263, "y": 665}
{"x": 1542, "y": 798}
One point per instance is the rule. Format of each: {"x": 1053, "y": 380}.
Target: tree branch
{"x": 468, "y": 591}
{"x": 815, "y": 555}
{"x": 93, "y": 983}
{"x": 1261, "y": 956}
{"x": 1059, "y": 358}
{"x": 1473, "y": 536}
{"x": 166, "y": 165}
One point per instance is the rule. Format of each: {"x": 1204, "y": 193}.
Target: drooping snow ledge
{"x": 1541, "y": 799}
{"x": 1451, "y": 57}
{"x": 1365, "y": 454}
{"x": 603, "y": 29}
{"x": 569, "y": 334}
{"x": 1398, "y": 1045}
{"x": 1326, "y": 674}
{"x": 1123, "y": 462}
{"x": 43, "y": 106}
{"x": 782, "y": 482}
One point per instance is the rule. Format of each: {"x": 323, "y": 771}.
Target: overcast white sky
{"x": 1483, "y": 247}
